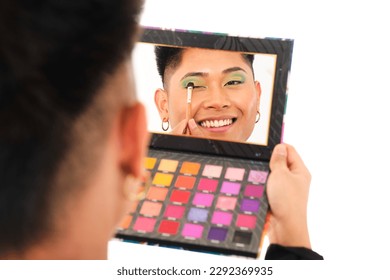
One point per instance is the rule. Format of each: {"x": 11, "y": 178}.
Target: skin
{"x": 288, "y": 191}
{"x": 79, "y": 234}
{"x": 225, "y": 91}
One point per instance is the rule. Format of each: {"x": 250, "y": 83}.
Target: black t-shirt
{"x": 278, "y": 252}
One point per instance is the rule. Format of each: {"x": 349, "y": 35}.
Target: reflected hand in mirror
{"x": 225, "y": 99}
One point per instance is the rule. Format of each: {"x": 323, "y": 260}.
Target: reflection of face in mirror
{"x": 225, "y": 100}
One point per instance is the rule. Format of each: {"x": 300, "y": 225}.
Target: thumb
{"x": 279, "y": 157}
{"x": 195, "y": 131}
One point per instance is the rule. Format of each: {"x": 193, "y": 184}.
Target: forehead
{"x": 207, "y": 61}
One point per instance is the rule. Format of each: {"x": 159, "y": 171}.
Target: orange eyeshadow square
{"x": 150, "y": 208}
{"x": 190, "y": 168}
{"x": 186, "y": 182}
{"x": 156, "y": 193}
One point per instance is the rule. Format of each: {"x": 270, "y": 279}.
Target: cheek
{"x": 177, "y": 109}
{"x": 247, "y": 103}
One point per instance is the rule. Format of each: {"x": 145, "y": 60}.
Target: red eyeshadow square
{"x": 185, "y": 182}
{"x": 168, "y": 227}
{"x": 180, "y": 196}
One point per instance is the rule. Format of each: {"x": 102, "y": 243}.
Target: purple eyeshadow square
{"x": 197, "y": 214}
{"x": 230, "y": 187}
{"x": 217, "y": 233}
{"x": 203, "y": 199}
{"x": 254, "y": 191}
{"x": 235, "y": 174}
{"x": 206, "y": 184}
{"x": 250, "y": 205}
{"x": 256, "y": 176}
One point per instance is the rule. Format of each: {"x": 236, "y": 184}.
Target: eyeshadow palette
{"x": 201, "y": 202}
{"x": 206, "y": 194}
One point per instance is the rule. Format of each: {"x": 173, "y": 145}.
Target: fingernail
{"x": 192, "y": 124}
{"x": 281, "y": 150}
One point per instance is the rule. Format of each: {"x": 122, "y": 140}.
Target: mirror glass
{"x": 235, "y": 98}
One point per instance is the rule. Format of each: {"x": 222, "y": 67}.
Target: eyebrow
{"x": 204, "y": 74}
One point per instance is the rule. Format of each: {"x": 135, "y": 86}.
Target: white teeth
{"x": 216, "y": 123}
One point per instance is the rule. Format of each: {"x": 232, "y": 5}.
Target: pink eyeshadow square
{"x": 230, "y": 187}
{"x": 203, "y": 199}
{"x": 235, "y": 174}
{"x": 212, "y": 171}
{"x": 206, "y": 184}
{"x": 174, "y": 211}
{"x": 192, "y": 230}
{"x": 246, "y": 221}
{"x": 256, "y": 176}
{"x": 226, "y": 203}
{"x": 222, "y": 218}
{"x": 254, "y": 191}
{"x": 144, "y": 224}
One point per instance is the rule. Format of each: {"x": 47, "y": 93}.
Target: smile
{"x": 217, "y": 123}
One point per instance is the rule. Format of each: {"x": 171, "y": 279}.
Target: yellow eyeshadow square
{"x": 168, "y": 165}
{"x": 162, "y": 179}
{"x": 150, "y": 162}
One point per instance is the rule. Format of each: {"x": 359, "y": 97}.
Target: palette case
{"x": 203, "y": 194}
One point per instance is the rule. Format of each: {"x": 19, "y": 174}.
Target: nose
{"x": 216, "y": 99}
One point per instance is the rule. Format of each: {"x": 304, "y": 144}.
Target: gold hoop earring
{"x": 257, "y": 117}
{"x": 165, "y": 120}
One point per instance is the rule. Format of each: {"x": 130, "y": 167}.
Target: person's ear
{"x": 161, "y": 101}
{"x": 134, "y": 139}
{"x": 258, "y": 94}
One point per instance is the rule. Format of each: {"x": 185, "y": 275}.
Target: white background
{"x": 337, "y": 113}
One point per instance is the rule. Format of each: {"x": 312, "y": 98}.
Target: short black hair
{"x": 55, "y": 55}
{"x": 167, "y": 57}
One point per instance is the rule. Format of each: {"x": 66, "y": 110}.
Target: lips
{"x": 210, "y": 123}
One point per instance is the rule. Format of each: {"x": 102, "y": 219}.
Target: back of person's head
{"x": 55, "y": 56}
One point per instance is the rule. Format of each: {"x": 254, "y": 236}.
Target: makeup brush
{"x": 190, "y": 87}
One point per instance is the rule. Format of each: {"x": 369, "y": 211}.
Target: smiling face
{"x": 225, "y": 98}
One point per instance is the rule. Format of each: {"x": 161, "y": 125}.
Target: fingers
{"x": 195, "y": 131}
{"x": 279, "y": 157}
{"x": 178, "y": 129}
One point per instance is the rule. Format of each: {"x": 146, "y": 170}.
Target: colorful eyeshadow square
{"x": 156, "y": 193}
{"x": 192, "y": 230}
{"x": 235, "y": 174}
{"x": 257, "y": 177}
{"x": 174, "y": 211}
{"x": 254, "y": 191}
{"x": 222, "y": 218}
{"x": 230, "y": 188}
{"x": 190, "y": 168}
{"x": 226, "y": 202}
{"x": 242, "y": 237}
{"x": 150, "y": 162}
{"x": 168, "y": 227}
{"x": 208, "y": 185}
{"x": 203, "y": 199}
{"x": 162, "y": 179}
{"x": 185, "y": 182}
{"x": 212, "y": 171}
{"x": 180, "y": 196}
{"x": 197, "y": 215}
{"x": 144, "y": 224}
{"x": 217, "y": 233}
{"x": 168, "y": 165}
{"x": 246, "y": 221}
{"x": 150, "y": 208}
{"x": 250, "y": 205}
